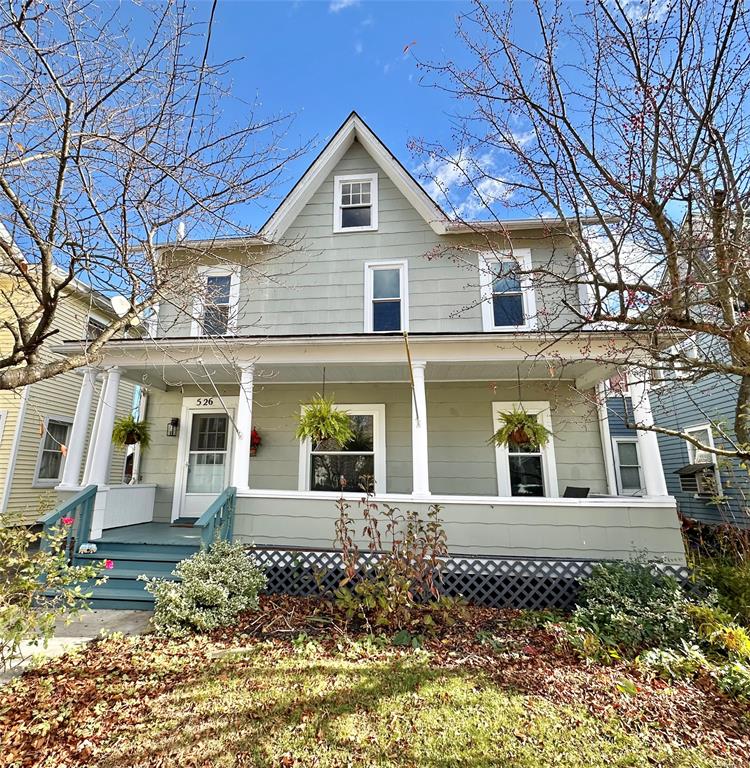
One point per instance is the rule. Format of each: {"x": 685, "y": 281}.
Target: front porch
{"x": 426, "y": 427}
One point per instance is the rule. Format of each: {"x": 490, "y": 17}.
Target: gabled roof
{"x": 354, "y": 127}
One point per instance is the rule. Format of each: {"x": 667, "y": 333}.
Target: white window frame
{"x": 620, "y": 488}
{"x": 377, "y": 411}
{"x": 234, "y": 298}
{"x": 521, "y": 256}
{"x": 370, "y": 267}
{"x": 692, "y": 450}
{"x": 45, "y": 482}
{"x": 337, "y": 182}
{"x": 3, "y": 420}
{"x": 540, "y": 409}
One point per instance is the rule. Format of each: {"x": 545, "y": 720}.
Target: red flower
{"x": 255, "y": 439}
{"x": 109, "y": 564}
{"x": 67, "y": 521}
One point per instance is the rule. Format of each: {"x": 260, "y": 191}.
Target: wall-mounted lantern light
{"x": 173, "y": 427}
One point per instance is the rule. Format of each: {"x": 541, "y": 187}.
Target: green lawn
{"x": 241, "y": 700}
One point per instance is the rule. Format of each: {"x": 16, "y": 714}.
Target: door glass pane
{"x": 507, "y": 309}
{"x": 206, "y": 472}
{"x": 526, "y": 478}
{"x": 386, "y": 316}
{"x": 209, "y": 432}
{"x": 335, "y": 472}
{"x": 386, "y": 283}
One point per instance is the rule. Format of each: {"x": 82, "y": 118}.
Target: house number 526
{"x": 205, "y": 401}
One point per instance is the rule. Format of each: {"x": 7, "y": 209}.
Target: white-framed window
{"x": 522, "y": 469}
{"x": 52, "y": 449}
{"x": 351, "y": 467}
{"x": 628, "y": 466}
{"x": 215, "y": 309}
{"x": 665, "y": 372}
{"x": 386, "y": 296}
{"x": 507, "y": 297}
{"x": 704, "y": 434}
{"x": 355, "y": 203}
{"x": 94, "y": 328}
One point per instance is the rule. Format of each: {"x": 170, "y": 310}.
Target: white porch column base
{"x": 648, "y": 443}
{"x": 101, "y": 444}
{"x": 240, "y": 477}
{"x": 100, "y": 505}
{"x": 77, "y": 442}
{"x": 419, "y": 457}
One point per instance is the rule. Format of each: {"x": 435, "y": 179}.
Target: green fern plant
{"x": 520, "y": 428}
{"x": 321, "y": 420}
{"x": 128, "y": 431}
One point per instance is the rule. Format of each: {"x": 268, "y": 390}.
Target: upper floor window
{"x": 355, "y": 203}
{"x": 52, "y": 450}
{"x": 94, "y": 328}
{"x": 215, "y": 310}
{"x": 386, "y": 296}
{"x": 706, "y": 483}
{"x": 507, "y": 294}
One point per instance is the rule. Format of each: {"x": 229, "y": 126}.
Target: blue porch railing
{"x": 217, "y": 522}
{"x": 80, "y": 509}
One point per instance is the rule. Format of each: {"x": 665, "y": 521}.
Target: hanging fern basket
{"x": 128, "y": 431}
{"x": 518, "y": 427}
{"x": 321, "y": 420}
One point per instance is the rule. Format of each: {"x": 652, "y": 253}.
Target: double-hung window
{"x": 52, "y": 449}
{"x": 712, "y": 480}
{"x": 628, "y": 466}
{"x": 507, "y": 294}
{"x": 355, "y": 203}
{"x": 215, "y": 310}
{"x": 522, "y": 468}
{"x": 386, "y": 297}
{"x": 355, "y": 467}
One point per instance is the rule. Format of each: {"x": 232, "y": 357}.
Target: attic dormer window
{"x": 355, "y": 203}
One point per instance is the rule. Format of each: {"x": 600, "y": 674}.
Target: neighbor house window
{"x": 628, "y": 466}
{"x": 507, "y": 294}
{"x": 355, "y": 203}
{"x": 215, "y": 310}
{"x": 94, "y": 329}
{"x": 712, "y": 480}
{"x": 386, "y": 297}
{"x": 52, "y": 449}
{"x": 524, "y": 469}
{"x": 355, "y": 467}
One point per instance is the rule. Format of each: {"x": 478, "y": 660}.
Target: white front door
{"x": 205, "y": 454}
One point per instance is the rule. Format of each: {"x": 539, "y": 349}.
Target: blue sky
{"x": 320, "y": 60}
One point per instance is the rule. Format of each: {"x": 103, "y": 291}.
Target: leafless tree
{"x": 630, "y": 120}
{"x": 112, "y": 142}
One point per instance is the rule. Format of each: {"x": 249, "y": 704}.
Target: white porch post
{"x": 101, "y": 447}
{"x": 648, "y": 444}
{"x": 77, "y": 442}
{"x": 420, "y": 465}
{"x": 240, "y": 477}
{"x": 606, "y": 438}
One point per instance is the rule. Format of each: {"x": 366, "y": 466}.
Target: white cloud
{"x": 338, "y": 5}
{"x": 358, "y": 47}
{"x": 466, "y": 185}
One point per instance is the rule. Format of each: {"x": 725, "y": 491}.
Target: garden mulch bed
{"x": 58, "y": 714}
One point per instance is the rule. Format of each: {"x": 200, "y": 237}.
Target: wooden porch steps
{"x": 130, "y": 560}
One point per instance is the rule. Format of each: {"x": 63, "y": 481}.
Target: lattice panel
{"x": 497, "y": 582}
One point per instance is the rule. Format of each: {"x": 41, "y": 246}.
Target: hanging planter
{"x": 321, "y": 420}
{"x": 520, "y": 428}
{"x": 128, "y": 431}
{"x": 255, "y": 441}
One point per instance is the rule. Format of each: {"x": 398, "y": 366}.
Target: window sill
{"x": 46, "y": 484}
{"x": 344, "y": 230}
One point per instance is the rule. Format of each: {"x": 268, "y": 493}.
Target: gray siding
{"x": 317, "y": 284}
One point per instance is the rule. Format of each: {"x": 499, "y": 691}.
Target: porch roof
{"x": 583, "y": 358}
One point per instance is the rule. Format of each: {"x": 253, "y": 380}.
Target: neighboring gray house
{"x": 707, "y": 488}
{"x": 351, "y": 270}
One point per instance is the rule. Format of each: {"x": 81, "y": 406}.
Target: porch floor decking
{"x": 151, "y": 533}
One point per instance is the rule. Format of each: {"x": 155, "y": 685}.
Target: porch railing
{"x": 79, "y": 509}
{"x": 217, "y": 522}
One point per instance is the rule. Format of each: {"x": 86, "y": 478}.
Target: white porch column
{"x": 240, "y": 477}
{"x": 420, "y": 466}
{"x": 77, "y": 442}
{"x": 648, "y": 443}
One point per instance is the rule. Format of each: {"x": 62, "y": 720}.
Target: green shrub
{"x": 734, "y": 679}
{"x": 37, "y": 584}
{"x": 214, "y": 587}
{"x": 718, "y": 632}
{"x": 629, "y": 607}
{"x": 731, "y": 581}
{"x": 668, "y": 664}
